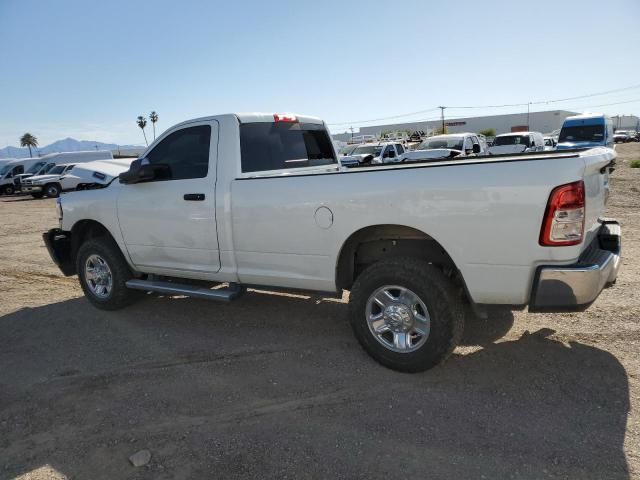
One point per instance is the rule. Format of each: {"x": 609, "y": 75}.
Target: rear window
{"x": 511, "y": 140}
{"x": 283, "y": 146}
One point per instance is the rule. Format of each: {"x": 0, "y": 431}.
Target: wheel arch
{"x": 375, "y": 242}
{"x": 86, "y": 229}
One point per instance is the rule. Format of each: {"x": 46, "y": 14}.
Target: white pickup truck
{"x": 260, "y": 200}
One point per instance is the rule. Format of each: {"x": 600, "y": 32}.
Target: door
{"x": 389, "y": 154}
{"x": 168, "y": 225}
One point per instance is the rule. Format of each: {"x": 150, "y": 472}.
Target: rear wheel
{"x": 406, "y": 314}
{"x": 103, "y": 273}
{"x": 52, "y": 190}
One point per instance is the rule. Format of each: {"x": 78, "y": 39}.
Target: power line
{"x": 590, "y": 95}
{"x": 608, "y": 104}
{"x": 386, "y": 118}
{"x": 505, "y": 105}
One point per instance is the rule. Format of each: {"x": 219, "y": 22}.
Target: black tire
{"x": 37, "y": 194}
{"x": 120, "y": 296}
{"x": 442, "y": 299}
{"x": 52, "y": 190}
{"x": 8, "y": 190}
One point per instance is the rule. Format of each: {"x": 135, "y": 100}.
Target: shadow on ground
{"x": 273, "y": 387}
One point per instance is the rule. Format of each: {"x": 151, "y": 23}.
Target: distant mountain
{"x": 65, "y": 145}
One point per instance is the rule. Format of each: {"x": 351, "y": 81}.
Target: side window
{"x": 399, "y": 148}
{"x": 533, "y": 140}
{"x": 69, "y": 168}
{"x": 185, "y": 151}
{"x": 17, "y": 170}
{"x": 468, "y": 144}
{"x": 389, "y": 152}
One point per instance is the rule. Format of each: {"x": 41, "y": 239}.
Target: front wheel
{"x": 406, "y": 314}
{"x": 52, "y": 190}
{"x": 8, "y": 190}
{"x": 103, "y": 273}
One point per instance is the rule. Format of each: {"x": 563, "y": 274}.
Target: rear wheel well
{"x": 371, "y": 244}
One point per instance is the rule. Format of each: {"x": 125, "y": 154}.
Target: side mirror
{"x": 476, "y": 148}
{"x": 141, "y": 171}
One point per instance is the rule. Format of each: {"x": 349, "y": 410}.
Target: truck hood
{"x": 506, "y": 149}
{"x": 433, "y": 153}
{"x": 572, "y": 145}
{"x": 360, "y": 158}
{"x": 42, "y": 178}
{"x": 100, "y": 171}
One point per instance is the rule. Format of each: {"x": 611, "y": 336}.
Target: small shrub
{"x": 634, "y": 164}
{"x": 488, "y": 132}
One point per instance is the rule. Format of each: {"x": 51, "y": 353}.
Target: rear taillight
{"x": 563, "y": 222}
{"x": 283, "y": 117}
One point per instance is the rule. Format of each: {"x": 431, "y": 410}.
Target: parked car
{"x": 374, "y": 153}
{"x": 621, "y": 136}
{"x": 47, "y": 162}
{"x": 50, "y": 184}
{"x": 549, "y": 143}
{"x": 586, "y": 131}
{"x": 447, "y": 146}
{"x": 259, "y": 199}
{"x": 517, "y": 142}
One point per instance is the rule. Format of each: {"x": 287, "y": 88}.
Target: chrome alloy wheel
{"x": 398, "y": 319}
{"x": 98, "y": 276}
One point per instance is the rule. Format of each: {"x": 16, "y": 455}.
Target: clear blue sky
{"x": 86, "y": 69}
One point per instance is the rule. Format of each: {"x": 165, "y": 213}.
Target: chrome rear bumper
{"x": 575, "y": 287}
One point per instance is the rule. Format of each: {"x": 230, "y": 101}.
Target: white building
{"x": 544, "y": 122}
{"x": 626, "y": 122}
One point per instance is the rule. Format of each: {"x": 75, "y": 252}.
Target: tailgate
{"x": 598, "y": 165}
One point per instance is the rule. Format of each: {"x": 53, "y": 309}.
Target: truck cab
{"x": 586, "y": 131}
{"x": 11, "y": 169}
{"x": 517, "y": 142}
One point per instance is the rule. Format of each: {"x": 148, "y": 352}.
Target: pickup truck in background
{"x": 221, "y": 203}
{"x": 49, "y": 184}
{"x": 517, "y": 142}
{"x": 373, "y": 154}
{"x": 447, "y": 146}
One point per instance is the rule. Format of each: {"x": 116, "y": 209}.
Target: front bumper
{"x": 58, "y": 243}
{"x": 30, "y": 188}
{"x": 575, "y": 287}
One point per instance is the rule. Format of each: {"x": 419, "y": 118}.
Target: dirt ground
{"x": 276, "y": 386}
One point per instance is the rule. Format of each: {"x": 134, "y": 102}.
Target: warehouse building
{"x": 544, "y": 122}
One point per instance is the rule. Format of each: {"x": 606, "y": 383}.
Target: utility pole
{"x": 528, "y": 105}
{"x": 442, "y": 117}
{"x": 351, "y": 128}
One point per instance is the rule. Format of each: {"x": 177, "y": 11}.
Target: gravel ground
{"x": 275, "y": 385}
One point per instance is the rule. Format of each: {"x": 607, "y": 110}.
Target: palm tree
{"x": 142, "y": 122}
{"x": 153, "y": 116}
{"x": 28, "y": 140}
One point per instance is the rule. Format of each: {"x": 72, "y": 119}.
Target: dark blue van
{"x": 586, "y": 131}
